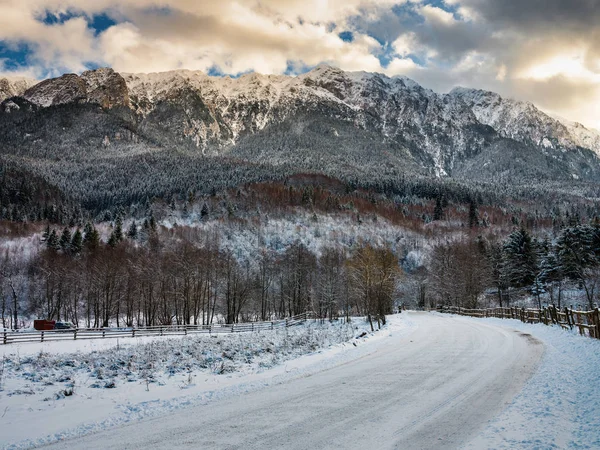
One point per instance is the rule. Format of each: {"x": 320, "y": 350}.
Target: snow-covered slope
{"x": 523, "y": 122}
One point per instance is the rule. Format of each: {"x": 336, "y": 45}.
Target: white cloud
{"x": 465, "y": 47}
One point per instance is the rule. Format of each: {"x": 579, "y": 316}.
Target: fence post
{"x": 5, "y": 337}
{"x": 133, "y": 332}
{"x": 42, "y": 337}
{"x": 597, "y": 320}
{"x": 161, "y": 331}
{"x": 569, "y": 322}
{"x": 75, "y": 334}
{"x": 103, "y": 333}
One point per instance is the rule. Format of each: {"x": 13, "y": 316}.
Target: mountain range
{"x": 353, "y": 125}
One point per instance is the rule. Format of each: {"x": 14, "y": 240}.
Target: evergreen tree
{"x": 576, "y": 252}
{"x": 522, "y": 258}
{"x": 113, "y": 240}
{"x": 65, "y": 240}
{"x": 118, "y": 231}
{"x": 473, "y": 214}
{"x": 87, "y": 229}
{"x": 91, "y": 237}
{"x": 132, "y": 233}
{"x": 438, "y": 211}
{"x": 77, "y": 242}
{"x": 52, "y": 242}
{"x": 204, "y": 212}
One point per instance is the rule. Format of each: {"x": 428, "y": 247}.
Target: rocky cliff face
{"x": 103, "y": 86}
{"x": 440, "y": 133}
{"x": 13, "y": 87}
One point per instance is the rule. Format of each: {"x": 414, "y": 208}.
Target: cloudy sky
{"x": 544, "y": 51}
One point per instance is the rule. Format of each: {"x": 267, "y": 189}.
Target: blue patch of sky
{"x": 14, "y": 56}
{"x": 346, "y": 36}
{"x": 51, "y": 18}
{"x": 98, "y": 22}
{"x": 18, "y": 55}
{"x": 297, "y": 68}
{"x": 101, "y": 22}
{"x": 216, "y": 71}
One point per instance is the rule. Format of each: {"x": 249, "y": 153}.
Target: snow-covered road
{"x": 436, "y": 387}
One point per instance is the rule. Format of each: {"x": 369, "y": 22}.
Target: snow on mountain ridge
{"x": 397, "y": 107}
{"x": 14, "y": 86}
{"x": 523, "y": 121}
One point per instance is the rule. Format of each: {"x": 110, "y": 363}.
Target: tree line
{"x": 521, "y": 265}
{"x": 149, "y": 277}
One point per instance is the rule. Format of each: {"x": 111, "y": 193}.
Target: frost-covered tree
{"x": 522, "y": 258}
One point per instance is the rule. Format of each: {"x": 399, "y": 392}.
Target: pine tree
{"x": 522, "y": 258}
{"x": 65, "y": 240}
{"x": 575, "y": 248}
{"x": 438, "y": 211}
{"x": 77, "y": 242}
{"x": 132, "y": 233}
{"x": 473, "y": 214}
{"x": 91, "y": 237}
{"x": 204, "y": 212}
{"x": 52, "y": 242}
{"x": 112, "y": 240}
{"x": 118, "y": 231}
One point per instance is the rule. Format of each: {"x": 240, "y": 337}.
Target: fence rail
{"x": 587, "y": 322}
{"x": 13, "y": 337}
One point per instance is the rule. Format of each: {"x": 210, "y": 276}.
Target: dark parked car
{"x": 63, "y": 326}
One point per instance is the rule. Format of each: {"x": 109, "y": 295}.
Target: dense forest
{"x": 270, "y": 250}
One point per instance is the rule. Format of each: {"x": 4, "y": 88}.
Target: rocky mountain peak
{"x": 102, "y": 86}
{"x": 14, "y": 86}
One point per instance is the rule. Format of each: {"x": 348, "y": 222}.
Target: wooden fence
{"x": 13, "y": 337}
{"x": 587, "y": 322}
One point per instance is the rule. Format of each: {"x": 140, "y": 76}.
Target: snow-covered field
{"x": 76, "y": 387}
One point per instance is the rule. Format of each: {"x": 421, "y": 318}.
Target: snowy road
{"x": 435, "y": 388}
